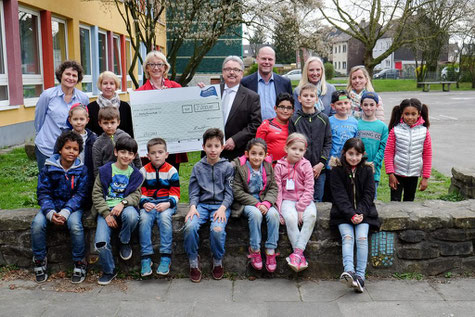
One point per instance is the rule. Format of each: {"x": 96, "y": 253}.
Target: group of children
{"x": 279, "y": 177}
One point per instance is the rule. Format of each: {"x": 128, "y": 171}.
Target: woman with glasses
{"x": 108, "y": 83}
{"x": 156, "y": 71}
{"x": 359, "y": 82}
{"x": 314, "y": 73}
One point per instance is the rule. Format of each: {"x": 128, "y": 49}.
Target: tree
{"x": 380, "y": 16}
{"x": 257, "y": 39}
{"x": 284, "y": 37}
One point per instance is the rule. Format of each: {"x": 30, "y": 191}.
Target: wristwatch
{"x": 124, "y": 202}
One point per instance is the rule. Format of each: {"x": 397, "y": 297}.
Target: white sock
{"x": 194, "y": 263}
{"x": 270, "y": 251}
{"x": 217, "y": 262}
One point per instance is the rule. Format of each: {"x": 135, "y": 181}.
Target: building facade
{"x": 38, "y": 35}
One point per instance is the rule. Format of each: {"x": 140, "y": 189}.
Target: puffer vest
{"x": 409, "y": 148}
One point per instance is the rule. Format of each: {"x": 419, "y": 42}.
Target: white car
{"x": 295, "y": 74}
{"x": 446, "y": 73}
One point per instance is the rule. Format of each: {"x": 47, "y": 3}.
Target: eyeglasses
{"x": 228, "y": 70}
{"x": 289, "y": 108}
{"x": 159, "y": 65}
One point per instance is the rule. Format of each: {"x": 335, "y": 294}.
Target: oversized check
{"x": 178, "y": 115}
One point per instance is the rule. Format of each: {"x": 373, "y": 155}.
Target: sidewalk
{"x": 262, "y": 297}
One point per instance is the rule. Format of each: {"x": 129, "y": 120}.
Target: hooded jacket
{"x": 211, "y": 184}
{"x": 316, "y": 127}
{"x": 242, "y": 197}
{"x": 302, "y": 175}
{"x": 60, "y": 190}
{"x": 352, "y": 194}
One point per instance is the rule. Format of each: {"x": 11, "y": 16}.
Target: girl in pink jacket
{"x": 295, "y": 180}
{"x": 408, "y": 153}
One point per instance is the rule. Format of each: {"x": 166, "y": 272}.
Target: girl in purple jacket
{"x": 294, "y": 177}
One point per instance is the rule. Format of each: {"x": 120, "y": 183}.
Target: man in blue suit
{"x": 267, "y": 83}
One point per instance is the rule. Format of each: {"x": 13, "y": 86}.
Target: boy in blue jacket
{"x": 62, "y": 189}
{"x": 211, "y": 195}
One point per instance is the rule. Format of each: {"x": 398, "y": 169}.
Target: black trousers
{"x": 406, "y": 184}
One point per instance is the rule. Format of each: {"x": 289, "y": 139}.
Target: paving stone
{"x": 395, "y": 290}
{"x": 148, "y": 308}
{"x": 329, "y": 291}
{"x": 271, "y": 290}
{"x": 208, "y": 290}
{"x": 386, "y": 309}
{"x": 292, "y": 309}
{"x": 229, "y": 310}
{"x": 456, "y": 289}
{"x": 24, "y": 307}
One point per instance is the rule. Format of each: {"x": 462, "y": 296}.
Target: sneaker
{"x": 40, "y": 270}
{"x": 106, "y": 278}
{"x": 303, "y": 263}
{"x": 256, "y": 259}
{"x": 293, "y": 261}
{"x": 195, "y": 273}
{"x": 359, "y": 284}
{"x": 125, "y": 252}
{"x": 79, "y": 272}
{"x": 164, "y": 267}
{"x": 217, "y": 272}
{"x": 146, "y": 269}
{"x": 271, "y": 263}
{"x": 349, "y": 279}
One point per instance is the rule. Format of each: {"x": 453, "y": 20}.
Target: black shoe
{"x": 125, "y": 252}
{"x": 40, "y": 270}
{"x": 79, "y": 272}
{"x": 359, "y": 285}
{"x": 348, "y": 278}
{"x": 106, "y": 278}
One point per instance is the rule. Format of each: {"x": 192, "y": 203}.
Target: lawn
{"x": 18, "y": 179}
{"x": 384, "y": 85}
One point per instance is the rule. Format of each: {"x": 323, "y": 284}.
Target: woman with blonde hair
{"x": 359, "y": 82}
{"x": 108, "y": 83}
{"x": 156, "y": 70}
{"x": 314, "y": 73}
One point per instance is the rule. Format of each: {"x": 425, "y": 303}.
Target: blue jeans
{"x": 319, "y": 187}
{"x": 128, "y": 220}
{"x": 254, "y": 217}
{"x": 217, "y": 235}
{"x": 164, "y": 223}
{"x": 376, "y": 183}
{"x": 40, "y": 158}
{"x": 298, "y": 237}
{"x": 348, "y": 232}
{"x": 76, "y": 230}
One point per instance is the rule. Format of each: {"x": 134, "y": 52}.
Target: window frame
{"x": 86, "y": 78}
{"x": 61, "y": 20}
{"x": 116, "y": 37}
{"x": 4, "y": 77}
{"x": 99, "y": 33}
{"x": 36, "y": 79}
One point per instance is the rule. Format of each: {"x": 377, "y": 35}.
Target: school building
{"x": 37, "y": 35}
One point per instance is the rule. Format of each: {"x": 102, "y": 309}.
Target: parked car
{"x": 449, "y": 73}
{"x": 294, "y": 74}
{"x": 387, "y": 73}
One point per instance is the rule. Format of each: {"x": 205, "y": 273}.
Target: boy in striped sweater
{"x": 160, "y": 196}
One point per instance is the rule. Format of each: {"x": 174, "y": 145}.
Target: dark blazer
{"x": 281, "y": 84}
{"x": 243, "y": 120}
{"x": 125, "y": 118}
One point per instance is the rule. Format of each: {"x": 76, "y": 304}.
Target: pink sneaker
{"x": 303, "y": 263}
{"x": 256, "y": 259}
{"x": 271, "y": 264}
{"x": 294, "y": 261}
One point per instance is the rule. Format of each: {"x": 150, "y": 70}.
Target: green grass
{"x": 386, "y": 85}
{"x": 18, "y": 180}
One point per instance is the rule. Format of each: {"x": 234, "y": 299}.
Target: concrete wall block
{"x": 451, "y": 234}
{"x": 420, "y": 251}
{"x": 455, "y": 248}
{"x": 412, "y": 236}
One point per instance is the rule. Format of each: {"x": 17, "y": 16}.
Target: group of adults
{"x": 246, "y": 102}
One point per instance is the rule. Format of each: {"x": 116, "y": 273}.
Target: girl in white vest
{"x": 408, "y": 153}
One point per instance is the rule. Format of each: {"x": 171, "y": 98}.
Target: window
{"x": 3, "y": 71}
{"x": 344, "y": 65}
{"x": 86, "y": 63}
{"x": 60, "y": 53}
{"x": 102, "y": 51}
{"x": 339, "y": 48}
{"x": 128, "y": 61}
{"x": 116, "y": 51}
{"x": 30, "y": 53}
{"x": 143, "y": 53}
{"x": 344, "y": 50}
{"x": 335, "y": 49}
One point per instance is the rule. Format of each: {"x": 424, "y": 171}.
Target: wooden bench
{"x": 338, "y": 85}
{"x": 426, "y": 85}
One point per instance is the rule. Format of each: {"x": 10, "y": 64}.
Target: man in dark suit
{"x": 241, "y": 109}
{"x": 267, "y": 83}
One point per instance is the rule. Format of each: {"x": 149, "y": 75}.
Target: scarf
{"x": 355, "y": 98}
{"x": 114, "y": 101}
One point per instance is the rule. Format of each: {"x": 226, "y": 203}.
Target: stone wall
{"x": 431, "y": 238}
{"x": 463, "y": 182}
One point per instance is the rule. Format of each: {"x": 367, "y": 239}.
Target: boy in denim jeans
{"x": 160, "y": 196}
{"x": 115, "y": 194}
{"x": 211, "y": 195}
{"x": 62, "y": 190}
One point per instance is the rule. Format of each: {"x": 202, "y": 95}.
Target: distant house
{"x": 347, "y": 52}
